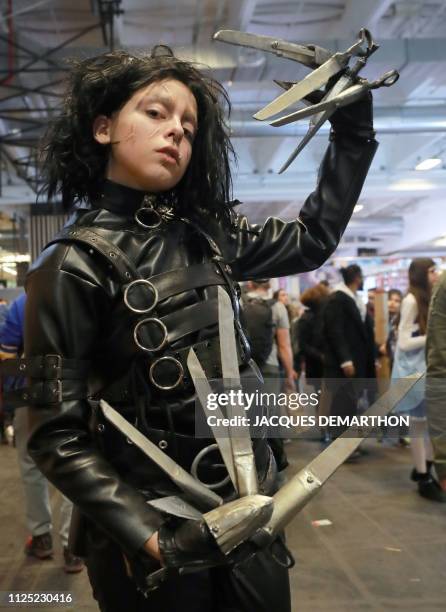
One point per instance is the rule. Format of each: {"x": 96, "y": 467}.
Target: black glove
{"x": 189, "y": 544}
{"x": 355, "y": 119}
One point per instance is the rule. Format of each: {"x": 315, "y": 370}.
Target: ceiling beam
{"x": 387, "y": 120}
{"x": 291, "y": 185}
{"x": 240, "y": 14}
{"x": 358, "y": 14}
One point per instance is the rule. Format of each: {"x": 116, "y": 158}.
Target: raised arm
{"x": 279, "y": 248}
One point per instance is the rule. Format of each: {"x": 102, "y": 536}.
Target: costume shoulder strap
{"x": 97, "y": 243}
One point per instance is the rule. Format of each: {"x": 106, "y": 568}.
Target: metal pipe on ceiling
{"x": 387, "y": 120}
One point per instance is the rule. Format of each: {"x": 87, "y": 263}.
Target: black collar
{"x": 119, "y": 199}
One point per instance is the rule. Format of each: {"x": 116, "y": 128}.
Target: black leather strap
{"x": 46, "y": 367}
{"x": 186, "y": 321}
{"x": 47, "y": 393}
{"x": 177, "y": 281}
{"x": 115, "y": 257}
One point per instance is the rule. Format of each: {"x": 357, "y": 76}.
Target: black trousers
{"x": 260, "y": 584}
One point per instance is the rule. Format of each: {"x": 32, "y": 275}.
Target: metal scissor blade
{"x": 312, "y": 81}
{"x": 345, "y": 97}
{"x": 285, "y": 84}
{"x": 303, "y": 143}
{"x": 203, "y": 389}
{"x": 177, "y": 506}
{"x": 301, "y": 488}
{"x": 341, "y": 84}
{"x": 303, "y": 113}
{"x": 317, "y": 120}
{"x": 196, "y": 490}
{"x": 308, "y": 55}
{"x": 244, "y": 462}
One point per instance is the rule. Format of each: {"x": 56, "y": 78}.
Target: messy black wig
{"x": 74, "y": 164}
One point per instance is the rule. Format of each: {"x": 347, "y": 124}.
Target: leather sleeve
{"x": 279, "y": 248}
{"x": 63, "y": 316}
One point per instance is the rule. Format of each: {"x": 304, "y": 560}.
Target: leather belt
{"x": 46, "y": 367}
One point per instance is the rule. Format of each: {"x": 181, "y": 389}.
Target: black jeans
{"x": 261, "y": 584}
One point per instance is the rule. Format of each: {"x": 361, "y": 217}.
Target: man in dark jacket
{"x": 349, "y": 343}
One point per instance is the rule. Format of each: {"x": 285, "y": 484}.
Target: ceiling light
{"x": 441, "y": 242}
{"x": 428, "y": 164}
{"x": 9, "y": 270}
{"x": 358, "y": 208}
{"x": 412, "y": 185}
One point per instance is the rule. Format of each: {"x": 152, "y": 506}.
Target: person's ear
{"x": 102, "y": 129}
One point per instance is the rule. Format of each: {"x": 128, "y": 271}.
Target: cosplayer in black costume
{"x": 128, "y": 129}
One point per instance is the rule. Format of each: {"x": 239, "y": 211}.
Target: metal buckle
{"x": 143, "y": 282}
{"x": 52, "y": 367}
{"x": 196, "y": 462}
{"x": 180, "y": 373}
{"x": 46, "y": 392}
{"x": 163, "y": 342}
{"x": 148, "y": 211}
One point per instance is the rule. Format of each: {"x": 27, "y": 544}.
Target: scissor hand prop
{"x": 329, "y": 68}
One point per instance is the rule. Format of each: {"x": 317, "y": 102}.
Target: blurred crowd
{"x": 331, "y": 338}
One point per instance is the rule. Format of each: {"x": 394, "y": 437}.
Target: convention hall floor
{"x": 385, "y": 548}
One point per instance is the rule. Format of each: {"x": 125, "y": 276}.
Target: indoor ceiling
{"x": 403, "y": 210}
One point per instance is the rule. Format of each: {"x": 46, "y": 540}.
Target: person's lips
{"x": 171, "y": 152}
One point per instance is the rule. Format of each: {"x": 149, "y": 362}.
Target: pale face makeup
{"x": 151, "y": 136}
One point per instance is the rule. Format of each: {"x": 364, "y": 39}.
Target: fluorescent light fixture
{"x": 358, "y": 208}
{"x": 428, "y": 164}
{"x": 9, "y": 270}
{"x": 441, "y": 242}
{"x": 412, "y": 185}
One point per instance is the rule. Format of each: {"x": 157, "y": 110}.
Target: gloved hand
{"x": 356, "y": 119}
{"x": 189, "y": 544}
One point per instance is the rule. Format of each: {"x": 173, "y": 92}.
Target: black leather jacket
{"x": 75, "y": 309}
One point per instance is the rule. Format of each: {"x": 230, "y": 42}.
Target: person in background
{"x": 35, "y": 485}
{"x": 282, "y": 296}
{"x": 309, "y": 331}
{"x": 436, "y": 377}
{"x": 371, "y": 303}
{"x": 395, "y": 298}
{"x": 281, "y": 353}
{"x": 387, "y": 349}
{"x": 409, "y": 360}
{"x": 349, "y": 345}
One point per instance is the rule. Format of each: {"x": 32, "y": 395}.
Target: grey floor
{"x": 385, "y": 549}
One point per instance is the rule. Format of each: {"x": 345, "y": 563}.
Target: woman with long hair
{"x": 410, "y": 359}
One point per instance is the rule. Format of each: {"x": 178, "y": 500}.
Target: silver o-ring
{"x": 151, "y": 286}
{"x": 148, "y": 225}
{"x": 180, "y": 373}
{"x": 194, "y": 468}
{"x": 163, "y": 342}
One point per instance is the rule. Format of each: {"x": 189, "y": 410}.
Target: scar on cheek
{"x": 131, "y": 134}
{"x": 154, "y": 132}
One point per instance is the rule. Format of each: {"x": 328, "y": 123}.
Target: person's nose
{"x": 175, "y": 130}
